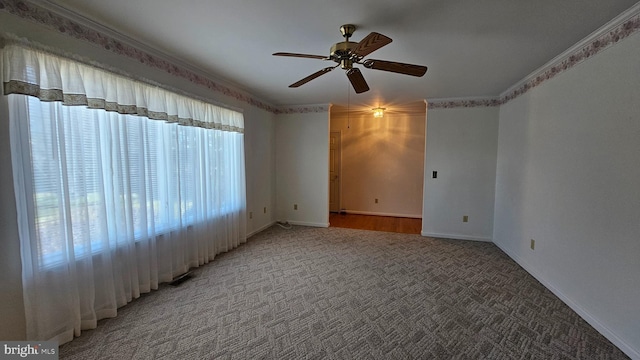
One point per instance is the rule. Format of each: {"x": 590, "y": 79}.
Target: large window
{"x": 119, "y": 187}
{"x": 100, "y": 177}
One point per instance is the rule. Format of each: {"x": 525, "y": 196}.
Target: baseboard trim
{"x": 304, "y": 223}
{"x": 356, "y": 212}
{"x": 261, "y": 229}
{"x": 584, "y": 314}
{"x": 456, "y": 236}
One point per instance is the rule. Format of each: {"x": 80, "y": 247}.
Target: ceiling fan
{"x": 348, "y": 53}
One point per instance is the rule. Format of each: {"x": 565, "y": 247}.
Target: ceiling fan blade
{"x": 312, "y": 76}
{"x": 357, "y": 80}
{"x": 302, "y": 55}
{"x": 371, "y": 43}
{"x": 396, "y": 67}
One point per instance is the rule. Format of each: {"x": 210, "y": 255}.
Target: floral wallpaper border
{"x": 605, "y": 40}
{"x": 608, "y": 38}
{"x": 304, "y": 109}
{"x": 69, "y": 27}
{"x": 450, "y": 104}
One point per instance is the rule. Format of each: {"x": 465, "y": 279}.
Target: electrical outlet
{"x": 265, "y": 209}
{"x": 434, "y": 174}
{"x": 465, "y": 218}
{"x": 376, "y": 201}
{"x": 533, "y": 244}
{"x": 295, "y": 206}
{"x": 250, "y": 214}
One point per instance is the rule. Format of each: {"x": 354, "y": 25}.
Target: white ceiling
{"x": 473, "y": 48}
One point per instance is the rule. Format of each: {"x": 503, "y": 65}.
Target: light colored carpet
{"x": 331, "y": 293}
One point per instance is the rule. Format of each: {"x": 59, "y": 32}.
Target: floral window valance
{"x": 51, "y": 77}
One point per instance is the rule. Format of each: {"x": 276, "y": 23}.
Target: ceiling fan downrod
{"x": 347, "y": 30}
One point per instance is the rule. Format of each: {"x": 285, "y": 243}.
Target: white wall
{"x": 568, "y": 176}
{"x": 259, "y": 138}
{"x": 382, "y": 159}
{"x": 461, "y": 147}
{"x": 302, "y": 168}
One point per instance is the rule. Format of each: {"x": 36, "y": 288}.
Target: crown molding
{"x": 75, "y": 25}
{"x": 72, "y": 24}
{"x": 619, "y": 28}
{"x": 124, "y": 39}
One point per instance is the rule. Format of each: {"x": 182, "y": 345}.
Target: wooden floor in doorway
{"x": 378, "y": 223}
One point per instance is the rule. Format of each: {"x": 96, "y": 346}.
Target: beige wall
{"x": 382, "y": 158}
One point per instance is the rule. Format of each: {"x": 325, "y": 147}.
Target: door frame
{"x": 338, "y": 206}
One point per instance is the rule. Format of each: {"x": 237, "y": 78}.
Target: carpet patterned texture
{"x": 331, "y": 293}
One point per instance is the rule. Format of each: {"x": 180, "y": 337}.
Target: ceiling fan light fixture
{"x": 346, "y": 64}
{"x": 378, "y": 112}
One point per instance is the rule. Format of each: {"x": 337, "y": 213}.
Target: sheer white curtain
{"x": 112, "y": 204}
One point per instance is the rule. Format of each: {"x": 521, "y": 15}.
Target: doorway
{"x": 376, "y": 167}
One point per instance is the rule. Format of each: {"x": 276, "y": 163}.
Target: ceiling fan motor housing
{"x": 341, "y": 53}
